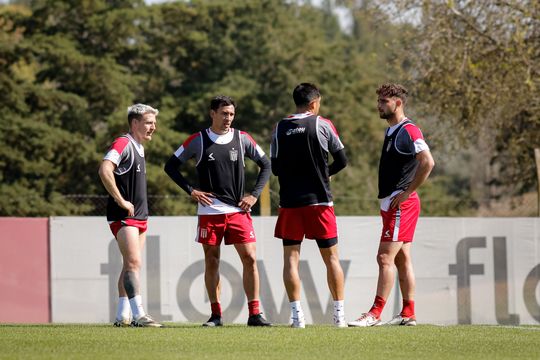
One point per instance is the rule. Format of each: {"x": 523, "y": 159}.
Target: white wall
{"x": 85, "y": 263}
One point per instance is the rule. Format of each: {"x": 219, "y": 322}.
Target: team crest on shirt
{"x": 233, "y": 154}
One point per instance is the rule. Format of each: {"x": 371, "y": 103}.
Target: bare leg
{"x": 211, "y": 273}
{"x": 130, "y": 243}
{"x": 385, "y": 259}
{"x": 248, "y": 256}
{"x": 121, "y": 289}
{"x": 334, "y": 272}
{"x": 404, "y": 266}
{"x": 291, "y": 278}
{"x": 129, "y": 250}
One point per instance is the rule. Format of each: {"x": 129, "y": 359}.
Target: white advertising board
{"x": 468, "y": 271}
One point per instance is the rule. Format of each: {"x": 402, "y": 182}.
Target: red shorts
{"x": 314, "y": 222}
{"x": 236, "y": 228}
{"x": 399, "y": 224}
{"x": 115, "y": 226}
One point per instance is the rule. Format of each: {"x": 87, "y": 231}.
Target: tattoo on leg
{"x": 130, "y": 284}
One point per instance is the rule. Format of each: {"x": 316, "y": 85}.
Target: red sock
{"x": 378, "y": 306}
{"x": 253, "y": 306}
{"x": 408, "y": 308}
{"x": 216, "y": 308}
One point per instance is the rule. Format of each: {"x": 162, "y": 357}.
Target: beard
{"x": 385, "y": 115}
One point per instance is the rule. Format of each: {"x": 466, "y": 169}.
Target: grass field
{"x": 190, "y": 341}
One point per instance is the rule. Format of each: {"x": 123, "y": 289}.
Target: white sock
{"x": 136, "y": 307}
{"x": 124, "y": 310}
{"x": 339, "y": 309}
{"x": 296, "y": 310}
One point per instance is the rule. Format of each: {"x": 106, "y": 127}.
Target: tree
{"x": 56, "y": 95}
{"x": 70, "y": 70}
{"x": 477, "y": 69}
{"x": 257, "y": 52}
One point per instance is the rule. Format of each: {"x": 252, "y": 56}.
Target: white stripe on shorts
{"x": 396, "y": 225}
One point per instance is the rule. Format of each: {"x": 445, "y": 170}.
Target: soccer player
{"x": 123, "y": 173}
{"x": 405, "y": 164}
{"x": 223, "y": 208}
{"x": 299, "y": 151}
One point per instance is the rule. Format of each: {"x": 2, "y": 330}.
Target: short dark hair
{"x": 305, "y": 93}
{"x": 221, "y": 100}
{"x": 393, "y": 90}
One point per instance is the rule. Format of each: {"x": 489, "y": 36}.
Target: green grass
{"x": 190, "y": 341}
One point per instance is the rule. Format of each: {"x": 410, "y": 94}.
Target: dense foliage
{"x": 477, "y": 71}
{"x": 69, "y": 71}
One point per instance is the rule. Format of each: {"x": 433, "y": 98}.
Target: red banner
{"x": 24, "y": 270}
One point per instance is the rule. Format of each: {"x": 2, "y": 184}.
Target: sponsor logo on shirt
{"x": 211, "y": 157}
{"x": 298, "y": 130}
{"x": 233, "y": 154}
{"x": 138, "y": 167}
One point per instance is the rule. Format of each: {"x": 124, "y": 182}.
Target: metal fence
{"x": 178, "y": 205}
{"x": 25, "y": 205}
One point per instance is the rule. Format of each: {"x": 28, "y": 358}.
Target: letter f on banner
{"x": 464, "y": 269}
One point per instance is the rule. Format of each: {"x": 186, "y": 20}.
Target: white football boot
{"x": 403, "y": 321}
{"x": 365, "y": 320}
{"x": 146, "y": 321}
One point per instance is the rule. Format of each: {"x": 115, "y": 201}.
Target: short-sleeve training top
{"x": 301, "y": 143}
{"x": 130, "y": 177}
{"x": 398, "y": 163}
{"x": 220, "y": 165}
